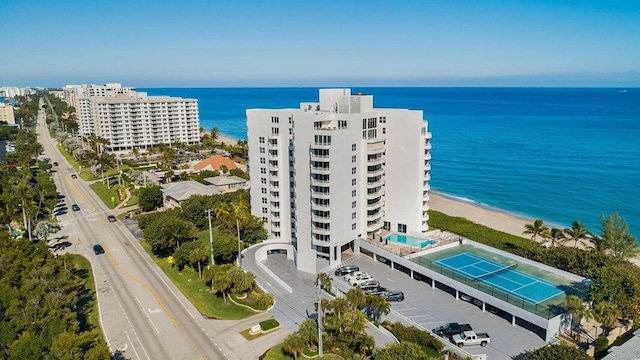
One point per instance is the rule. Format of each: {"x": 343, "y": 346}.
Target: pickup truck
{"x": 471, "y": 338}
{"x": 451, "y": 329}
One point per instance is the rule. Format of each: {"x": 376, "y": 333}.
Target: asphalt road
{"x": 143, "y": 315}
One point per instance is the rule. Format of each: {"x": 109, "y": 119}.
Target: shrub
{"x": 264, "y": 301}
{"x": 601, "y": 344}
{"x": 269, "y": 324}
{"x": 423, "y": 338}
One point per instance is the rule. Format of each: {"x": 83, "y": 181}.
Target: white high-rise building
{"x": 131, "y": 119}
{"x": 334, "y": 171}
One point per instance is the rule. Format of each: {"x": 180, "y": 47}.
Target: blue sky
{"x": 323, "y": 43}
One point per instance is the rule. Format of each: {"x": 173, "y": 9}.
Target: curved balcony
{"x": 321, "y": 219}
{"x": 319, "y": 182}
{"x": 426, "y": 187}
{"x": 320, "y": 170}
{"x": 315, "y": 157}
{"x": 375, "y": 194}
{"x": 428, "y": 135}
{"x": 426, "y": 177}
{"x": 321, "y": 146}
{"x": 320, "y": 207}
{"x": 427, "y": 166}
{"x": 375, "y": 172}
{"x": 428, "y": 146}
{"x": 375, "y": 216}
{"x": 377, "y": 161}
{"x": 320, "y": 231}
{"x": 427, "y": 156}
{"x": 374, "y": 184}
{"x": 375, "y": 227}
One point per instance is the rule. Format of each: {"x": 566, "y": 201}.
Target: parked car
{"x": 378, "y": 290}
{"x": 98, "y": 249}
{"x": 55, "y": 163}
{"x": 74, "y": 176}
{"x": 395, "y": 295}
{"x": 469, "y": 338}
{"x": 353, "y": 275}
{"x": 360, "y": 279}
{"x": 347, "y": 269}
{"x": 451, "y": 329}
{"x": 112, "y": 218}
{"x": 369, "y": 285}
{"x": 75, "y": 207}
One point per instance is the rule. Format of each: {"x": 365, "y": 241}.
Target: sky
{"x": 583, "y": 43}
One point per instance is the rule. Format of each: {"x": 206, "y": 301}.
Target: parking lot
{"x": 430, "y": 308}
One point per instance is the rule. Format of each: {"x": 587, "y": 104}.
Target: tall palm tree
{"x": 294, "y": 344}
{"x": 574, "y": 306}
{"x": 356, "y": 298}
{"x": 238, "y": 210}
{"x": 214, "y": 133}
{"x": 537, "y": 228}
{"x": 556, "y": 235}
{"x": 198, "y": 255}
{"x": 607, "y": 313}
{"x": 578, "y": 233}
{"x": 325, "y": 281}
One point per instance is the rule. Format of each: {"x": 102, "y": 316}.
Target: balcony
{"x": 427, "y": 146}
{"x": 321, "y": 207}
{"x": 321, "y": 146}
{"x": 320, "y": 170}
{"x": 375, "y": 172}
{"x": 427, "y": 156}
{"x": 428, "y": 135}
{"x": 316, "y": 157}
{"x": 375, "y": 194}
{"x": 319, "y": 182}
{"x": 376, "y": 161}
{"x": 373, "y": 184}
{"x": 321, "y": 195}
{"x": 427, "y": 167}
{"x": 322, "y": 219}
{"x": 426, "y": 187}
{"x": 320, "y": 231}
{"x": 375, "y": 216}
{"x": 374, "y": 227}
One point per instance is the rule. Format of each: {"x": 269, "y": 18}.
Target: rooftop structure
{"x": 228, "y": 183}
{"x": 177, "y": 192}
{"x": 215, "y": 162}
{"x": 333, "y": 171}
{"x": 7, "y": 114}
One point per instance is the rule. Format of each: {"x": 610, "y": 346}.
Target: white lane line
{"x": 147, "y": 315}
{"x": 133, "y": 347}
{"x": 414, "y": 316}
{"x": 142, "y": 346}
{"x": 407, "y": 309}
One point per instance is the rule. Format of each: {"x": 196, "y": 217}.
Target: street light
{"x": 213, "y": 262}
{"x": 596, "y": 328}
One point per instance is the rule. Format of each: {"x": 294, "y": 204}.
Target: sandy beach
{"x": 493, "y": 219}
{"x": 227, "y": 140}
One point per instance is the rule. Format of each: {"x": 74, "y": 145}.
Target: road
{"x": 143, "y": 315}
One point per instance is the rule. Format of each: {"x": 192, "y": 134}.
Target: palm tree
{"x": 214, "y": 133}
{"x": 556, "y": 235}
{"x": 325, "y": 281}
{"x": 607, "y": 314}
{"x": 339, "y": 306}
{"x": 377, "y": 306}
{"x": 294, "y": 344}
{"x": 578, "y": 233}
{"x": 356, "y": 298}
{"x": 238, "y": 209}
{"x": 106, "y": 161}
{"x": 577, "y": 308}
{"x": 537, "y": 228}
{"x": 198, "y": 255}
{"x": 221, "y": 282}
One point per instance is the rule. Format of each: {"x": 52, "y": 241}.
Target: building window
{"x": 353, "y": 193}
{"x": 261, "y": 140}
{"x": 262, "y": 160}
{"x": 353, "y": 171}
{"x": 275, "y": 120}
{"x": 261, "y": 150}
{"x": 263, "y": 171}
{"x": 264, "y": 200}
{"x": 353, "y": 159}
{"x": 353, "y": 204}
{"x": 353, "y": 215}
{"x": 353, "y": 181}
{"x": 402, "y": 228}
{"x": 264, "y": 211}
{"x": 275, "y": 131}
{"x": 353, "y": 147}
{"x": 264, "y": 219}
{"x": 263, "y": 180}
{"x": 384, "y": 130}
{"x": 290, "y": 131}
{"x": 353, "y": 226}
{"x": 264, "y": 191}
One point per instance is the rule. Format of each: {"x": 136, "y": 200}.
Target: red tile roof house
{"x": 214, "y": 163}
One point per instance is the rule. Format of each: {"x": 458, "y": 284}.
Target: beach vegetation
{"x": 558, "y": 352}
{"x": 535, "y": 229}
{"x": 578, "y": 233}
{"x": 615, "y": 237}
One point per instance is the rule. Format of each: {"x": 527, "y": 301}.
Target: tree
{"x": 325, "y": 281}
{"x": 616, "y": 237}
{"x": 214, "y": 133}
{"x": 43, "y": 229}
{"x": 242, "y": 281}
{"x": 150, "y": 198}
{"x": 238, "y": 209}
{"x": 377, "y": 306}
{"x": 402, "y": 351}
{"x": 221, "y": 281}
{"x": 556, "y": 235}
{"x": 167, "y": 231}
{"x": 199, "y": 254}
{"x": 356, "y": 298}
{"x": 558, "y": 352}
{"x": 577, "y": 308}
{"x": 607, "y": 313}
{"x": 294, "y": 344}
{"x": 535, "y": 229}
{"x": 578, "y": 233}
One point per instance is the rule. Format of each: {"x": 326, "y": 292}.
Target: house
{"x": 175, "y": 193}
{"x": 228, "y": 183}
{"x": 215, "y": 162}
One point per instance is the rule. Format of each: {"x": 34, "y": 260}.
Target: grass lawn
{"x": 89, "y": 306}
{"x": 106, "y": 195}
{"x": 74, "y": 163}
{"x": 277, "y": 353}
{"x": 197, "y": 291}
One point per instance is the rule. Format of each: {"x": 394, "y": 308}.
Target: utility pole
{"x": 213, "y": 262}
{"x": 319, "y": 294}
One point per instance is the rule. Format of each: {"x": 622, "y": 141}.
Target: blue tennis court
{"x": 504, "y": 277}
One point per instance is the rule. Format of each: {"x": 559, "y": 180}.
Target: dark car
{"x": 74, "y": 176}
{"x": 382, "y": 291}
{"x": 75, "y": 207}
{"x": 451, "y": 329}
{"x": 98, "y": 249}
{"x": 369, "y": 285}
{"x": 112, "y": 218}
{"x": 55, "y": 163}
{"x": 347, "y": 269}
{"x": 395, "y": 295}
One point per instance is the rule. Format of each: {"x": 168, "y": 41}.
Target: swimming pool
{"x": 409, "y": 240}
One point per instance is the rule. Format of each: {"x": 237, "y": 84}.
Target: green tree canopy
{"x": 150, "y": 198}
{"x": 558, "y": 352}
{"x": 402, "y": 351}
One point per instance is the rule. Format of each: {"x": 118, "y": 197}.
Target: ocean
{"x": 559, "y": 154}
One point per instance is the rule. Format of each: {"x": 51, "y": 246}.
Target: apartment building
{"x": 131, "y": 119}
{"x": 330, "y": 172}
{"x": 7, "y": 114}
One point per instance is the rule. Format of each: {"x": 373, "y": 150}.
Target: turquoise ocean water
{"x": 554, "y": 153}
